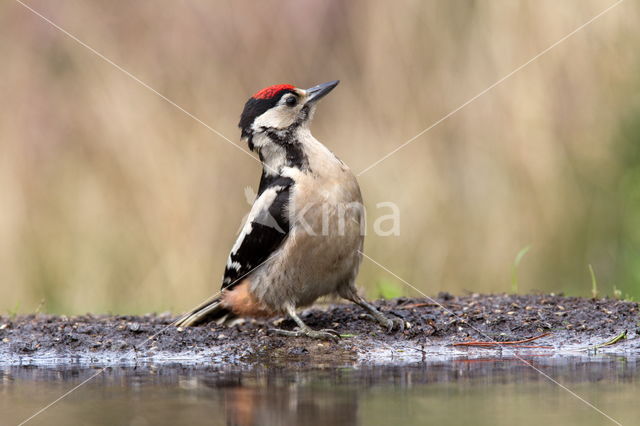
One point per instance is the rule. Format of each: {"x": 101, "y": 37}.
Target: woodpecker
{"x": 303, "y": 237}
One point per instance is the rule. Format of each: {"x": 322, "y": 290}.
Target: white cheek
{"x": 275, "y": 118}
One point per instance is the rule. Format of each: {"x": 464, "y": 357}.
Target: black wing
{"x": 266, "y": 228}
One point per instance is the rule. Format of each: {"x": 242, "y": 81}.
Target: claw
{"x": 392, "y": 324}
{"x": 398, "y": 323}
{"x": 331, "y": 331}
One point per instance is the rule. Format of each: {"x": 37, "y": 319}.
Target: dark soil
{"x": 574, "y": 324}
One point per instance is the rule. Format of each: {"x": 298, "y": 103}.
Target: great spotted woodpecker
{"x": 304, "y": 234}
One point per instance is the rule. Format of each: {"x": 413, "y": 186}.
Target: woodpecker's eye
{"x": 291, "y": 101}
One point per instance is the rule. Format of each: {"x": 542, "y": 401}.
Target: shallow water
{"x": 478, "y": 391}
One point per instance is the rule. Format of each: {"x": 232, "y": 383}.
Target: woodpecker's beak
{"x": 318, "y": 92}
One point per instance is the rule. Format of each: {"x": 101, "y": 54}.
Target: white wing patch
{"x": 234, "y": 265}
{"x": 259, "y": 214}
{"x": 261, "y": 234}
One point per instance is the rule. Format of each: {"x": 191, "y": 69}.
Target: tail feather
{"x": 211, "y": 310}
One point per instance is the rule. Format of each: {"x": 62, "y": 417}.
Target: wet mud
{"x": 574, "y": 325}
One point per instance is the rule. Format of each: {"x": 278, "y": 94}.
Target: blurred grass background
{"x": 112, "y": 200}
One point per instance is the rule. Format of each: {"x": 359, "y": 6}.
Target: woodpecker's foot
{"x": 324, "y": 334}
{"x": 390, "y": 323}
{"x": 304, "y": 330}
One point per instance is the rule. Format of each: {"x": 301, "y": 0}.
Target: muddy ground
{"x": 432, "y": 327}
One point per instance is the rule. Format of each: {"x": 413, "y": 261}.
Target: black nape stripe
{"x": 269, "y": 181}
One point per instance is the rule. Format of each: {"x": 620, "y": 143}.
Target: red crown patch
{"x": 271, "y": 91}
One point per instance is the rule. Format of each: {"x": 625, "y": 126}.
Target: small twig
{"x": 39, "y": 306}
{"x": 613, "y": 341}
{"x": 417, "y": 305}
{"x": 491, "y": 344}
{"x": 513, "y": 346}
{"x": 534, "y": 346}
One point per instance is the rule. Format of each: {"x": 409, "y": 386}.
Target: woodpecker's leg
{"x": 390, "y": 324}
{"x": 305, "y": 330}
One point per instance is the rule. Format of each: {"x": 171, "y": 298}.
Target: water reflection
{"x": 477, "y": 391}
{"x": 290, "y": 405}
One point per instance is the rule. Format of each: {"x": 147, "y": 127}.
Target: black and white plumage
{"x": 266, "y": 227}
{"x": 304, "y": 234}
